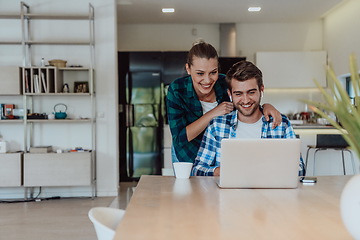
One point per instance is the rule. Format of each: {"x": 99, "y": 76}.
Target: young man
{"x": 246, "y": 88}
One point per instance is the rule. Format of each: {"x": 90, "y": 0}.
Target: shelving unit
{"x": 38, "y": 86}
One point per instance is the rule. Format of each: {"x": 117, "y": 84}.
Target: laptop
{"x": 259, "y": 163}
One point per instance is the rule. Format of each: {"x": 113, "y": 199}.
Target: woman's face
{"x": 204, "y": 74}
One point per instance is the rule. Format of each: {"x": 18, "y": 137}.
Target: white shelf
{"x": 59, "y": 120}
{"x": 10, "y": 42}
{"x": 74, "y": 69}
{"x": 50, "y": 169}
{"x": 57, "y": 42}
{"x": 12, "y": 121}
{"x": 10, "y": 16}
{"x": 54, "y": 79}
{"x": 34, "y": 16}
{"x": 58, "y": 94}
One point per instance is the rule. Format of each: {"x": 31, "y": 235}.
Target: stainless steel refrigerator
{"x": 143, "y": 123}
{"x": 142, "y": 111}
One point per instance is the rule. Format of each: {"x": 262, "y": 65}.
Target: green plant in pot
{"x": 348, "y": 114}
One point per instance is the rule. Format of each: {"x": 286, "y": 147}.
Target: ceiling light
{"x": 254, "y": 9}
{"x": 168, "y": 10}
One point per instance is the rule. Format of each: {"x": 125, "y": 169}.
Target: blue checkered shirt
{"x": 208, "y": 156}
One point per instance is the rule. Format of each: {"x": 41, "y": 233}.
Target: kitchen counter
{"x": 312, "y": 126}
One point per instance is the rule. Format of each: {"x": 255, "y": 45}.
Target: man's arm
{"x": 205, "y": 161}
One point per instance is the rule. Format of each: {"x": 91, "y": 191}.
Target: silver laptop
{"x": 259, "y": 163}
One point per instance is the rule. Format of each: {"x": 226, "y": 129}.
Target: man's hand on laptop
{"x": 217, "y": 171}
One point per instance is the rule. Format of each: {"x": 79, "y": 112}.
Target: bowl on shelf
{"x": 58, "y": 63}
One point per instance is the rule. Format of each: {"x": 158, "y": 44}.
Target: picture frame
{"x": 81, "y": 87}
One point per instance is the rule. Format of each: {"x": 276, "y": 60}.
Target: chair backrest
{"x": 330, "y": 141}
{"x": 105, "y": 221}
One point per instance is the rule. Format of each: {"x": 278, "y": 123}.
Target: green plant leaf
{"x": 337, "y": 101}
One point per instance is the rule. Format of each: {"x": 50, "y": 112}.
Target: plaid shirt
{"x": 208, "y": 157}
{"x": 184, "y": 108}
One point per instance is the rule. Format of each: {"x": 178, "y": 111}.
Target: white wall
{"x": 251, "y": 38}
{"x": 261, "y": 37}
{"x": 342, "y": 35}
{"x": 105, "y": 76}
{"x": 165, "y": 37}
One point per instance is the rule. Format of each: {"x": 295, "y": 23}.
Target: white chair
{"x": 105, "y": 221}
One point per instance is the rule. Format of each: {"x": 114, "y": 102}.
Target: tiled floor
{"x": 56, "y": 219}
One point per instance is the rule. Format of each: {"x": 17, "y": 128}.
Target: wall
{"x": 251, "y": 38}
{"x": 105, "y": 75}
{"x": 165, "y": 37}
{"x": 260, "y": 37}
{"x": 342, "y": 35}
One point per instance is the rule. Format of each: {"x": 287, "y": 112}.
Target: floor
{"x": 56, "y": 219}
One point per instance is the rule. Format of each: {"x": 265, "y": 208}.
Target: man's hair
{"x": 201, "y": 49}
{"x": 242, "y": 71}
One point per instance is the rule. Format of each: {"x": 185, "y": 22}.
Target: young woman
{"x": 194, "y": 100}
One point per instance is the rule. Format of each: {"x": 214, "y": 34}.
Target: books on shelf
{"x": 35, "y": 80}
{"x": 9, "y": 111}
{"x": 27, "y": 85}
{"x": 2, "y": 107}
{"x": 36, "y": 84}
{"x": 43, "y": 81}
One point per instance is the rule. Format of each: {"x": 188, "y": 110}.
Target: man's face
{"x": 246, "y": 97}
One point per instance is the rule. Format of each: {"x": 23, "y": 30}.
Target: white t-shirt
{"x": 249, "y": 130}
{"x": 207, "y": 106}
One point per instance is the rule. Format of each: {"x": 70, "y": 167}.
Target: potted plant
{"x": 348, "y": 114}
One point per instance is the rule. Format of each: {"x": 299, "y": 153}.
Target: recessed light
{"x": 254, "y": 9}
{"x": 168, "y": 10}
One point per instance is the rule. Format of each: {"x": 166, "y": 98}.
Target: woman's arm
{"x": 270, "y": 110}
{"x": 195, "y": 128}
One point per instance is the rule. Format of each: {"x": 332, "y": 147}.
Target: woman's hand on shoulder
{"x": 222, "y": 109}
{"x": 270, "y": 110}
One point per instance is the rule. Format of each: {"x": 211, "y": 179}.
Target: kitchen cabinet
{"x": 292, "y": 69}
{"x": 42, "y": 87}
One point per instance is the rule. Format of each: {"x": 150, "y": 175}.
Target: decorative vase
{"x": 350, "y": 206}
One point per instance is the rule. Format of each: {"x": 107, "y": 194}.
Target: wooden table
{"x": 195, "y": 208}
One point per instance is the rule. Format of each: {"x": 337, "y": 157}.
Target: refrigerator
{"x": 143, "y": 77}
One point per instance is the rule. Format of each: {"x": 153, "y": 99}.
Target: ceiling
{"x": 222, "y": 11}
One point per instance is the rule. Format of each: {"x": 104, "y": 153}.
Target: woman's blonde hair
{"x": 201, "y": 49}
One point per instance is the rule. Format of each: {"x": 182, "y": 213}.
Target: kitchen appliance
{"x": 142, "y": 110}
{"x": 143, "y": 123}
